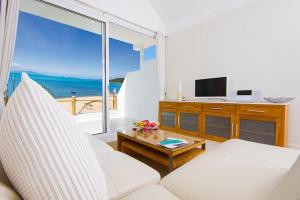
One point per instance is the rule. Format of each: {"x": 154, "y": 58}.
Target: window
{"x": 62, "y": 51}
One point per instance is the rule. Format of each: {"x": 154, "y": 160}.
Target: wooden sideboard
{"x": 219, "y": 121}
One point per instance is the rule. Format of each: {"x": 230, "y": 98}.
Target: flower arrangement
{"x": 146, "y": 125}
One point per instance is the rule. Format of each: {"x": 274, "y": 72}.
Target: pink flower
{"x": 152, "y": 124}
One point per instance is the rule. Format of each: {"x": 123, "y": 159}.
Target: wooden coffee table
{"x": 147, "y": 145}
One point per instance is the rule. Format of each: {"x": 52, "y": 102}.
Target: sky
{"x": 52, "y": 48}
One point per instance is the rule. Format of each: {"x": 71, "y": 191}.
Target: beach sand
{"x": 88, "y": 104}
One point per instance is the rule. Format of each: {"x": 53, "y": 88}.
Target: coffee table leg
{"x": 171, "y": 162}
{"x": 119, "y": 143}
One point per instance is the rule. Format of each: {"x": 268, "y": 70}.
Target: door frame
{"x": 105, "y": 76}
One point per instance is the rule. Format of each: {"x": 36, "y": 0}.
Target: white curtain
{"x": 8, "y": 28}
{"x": 160, "y": 54}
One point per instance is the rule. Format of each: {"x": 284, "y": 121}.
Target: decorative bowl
{"x": 279, "y": 99}
{"x": 146, "y": 125}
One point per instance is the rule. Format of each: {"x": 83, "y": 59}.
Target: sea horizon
{"x": 63, "y": 86}
{"x": 53, "y": 74}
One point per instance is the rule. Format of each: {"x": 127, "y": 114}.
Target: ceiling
{"x": 172, "y": 15}
{"x": 180, "y": 14}
{"x": 72, "y": 19}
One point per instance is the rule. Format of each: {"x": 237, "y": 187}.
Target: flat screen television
{"x": 212, "y": 87}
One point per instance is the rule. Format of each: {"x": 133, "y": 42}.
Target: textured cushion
{"x": 125, "y": 174}
{"x": 45, "y": 153}
{"x": 237, "y": 170}
{"x": 289, "y": 186}
{"x": 7, "y": 193}
{"x": 151, "y": 192}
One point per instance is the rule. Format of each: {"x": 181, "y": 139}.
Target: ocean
{"x": 61, "y": 87}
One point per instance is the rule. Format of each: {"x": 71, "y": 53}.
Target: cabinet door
{"x": 258, "y": 129}
{"x": 168, "y": 119}
{"x": 189, "y": 122}
{"x": 218, "y": 127}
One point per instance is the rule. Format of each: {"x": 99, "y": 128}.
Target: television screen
{"x": 213, "y": 87}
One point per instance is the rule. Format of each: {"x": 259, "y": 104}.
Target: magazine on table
{"x": 173, "y": 143}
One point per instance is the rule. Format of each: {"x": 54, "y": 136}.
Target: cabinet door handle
{"x": 187, "y": 106}
{"x": 216, "y": 108}
{"x": 257, "y": 111}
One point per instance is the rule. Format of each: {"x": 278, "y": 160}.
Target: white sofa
{"x": 126, "y": 177}
{"x": 235, "y": 169}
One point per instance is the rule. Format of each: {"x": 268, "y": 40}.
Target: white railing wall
{"x": 139, "y": 95}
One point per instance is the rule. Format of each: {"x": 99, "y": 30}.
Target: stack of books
{"x": 173, "y": 143}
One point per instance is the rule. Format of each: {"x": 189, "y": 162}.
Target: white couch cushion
{"x": 152, "y": 192}
{"x": 240, "y": 178}
{"x": 231, "y": 171}
{"x": 289, "y": 187}
{"x": 185, "y": 180}
{"x": 98, "y": 145}
{"x": 7, "y": 193}
{"x": 125, "y": 174}
{"x": 44, "y": 152}
{"x": 277, "y": 156}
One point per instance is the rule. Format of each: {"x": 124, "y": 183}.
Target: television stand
{"x": 218, "y": 99}
{"x": 211, "y": 99}
{"x": 219, "y": 121}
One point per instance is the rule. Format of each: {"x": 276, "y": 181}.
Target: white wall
{"x": 139, "y": 94}
{"x": 129, "y": 101}
{"x": 137, "y": 11}
{"x": 257, "y": 46}
{"x": 149, "y": 90}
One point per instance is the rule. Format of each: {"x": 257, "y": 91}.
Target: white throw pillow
{"x": 43, "y": 150}
{"x": 289, "y": 187}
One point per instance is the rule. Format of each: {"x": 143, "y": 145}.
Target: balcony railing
{"x": 80, "y": 105}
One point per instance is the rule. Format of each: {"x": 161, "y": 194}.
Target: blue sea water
{"x": 60, "y": 87}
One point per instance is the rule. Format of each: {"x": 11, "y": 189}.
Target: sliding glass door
{"x": 133, "y": 77}
{"x": 65, "y": 53}
{"x": 68, "y": 53}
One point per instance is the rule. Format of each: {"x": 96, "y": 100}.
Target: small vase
{"x": 179, "y": 96}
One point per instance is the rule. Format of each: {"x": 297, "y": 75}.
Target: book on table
{"x": 173, "y": 143}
